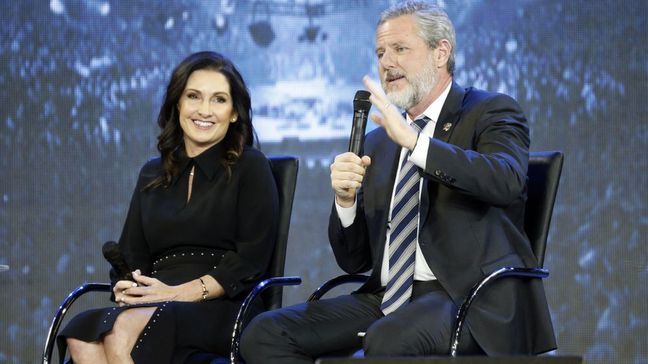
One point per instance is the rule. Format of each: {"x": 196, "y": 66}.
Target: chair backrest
{"x": 284, "y": 169}
{"x": 542, "y": 187}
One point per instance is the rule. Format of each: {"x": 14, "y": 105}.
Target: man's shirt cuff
{"x": 346, "y": 214}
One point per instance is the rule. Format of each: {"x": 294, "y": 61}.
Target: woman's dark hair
{"x": 171, "y": 138}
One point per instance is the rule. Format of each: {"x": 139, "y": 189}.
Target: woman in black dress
{"x": 199, "y": 232}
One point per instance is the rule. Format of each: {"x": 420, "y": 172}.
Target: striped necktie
{"x": 402, "y": 241}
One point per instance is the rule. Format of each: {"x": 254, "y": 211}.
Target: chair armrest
{"x": 477, "y": 289}
{"x": 337, "y": 281}
{"x": 247, "y": 303}
{"x": 62, "y": 310}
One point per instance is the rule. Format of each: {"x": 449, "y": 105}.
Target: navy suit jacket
{"x": 472, "y": 218}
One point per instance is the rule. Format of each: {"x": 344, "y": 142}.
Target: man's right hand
{"x": 347, "y": 172}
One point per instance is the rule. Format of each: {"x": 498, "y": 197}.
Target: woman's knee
{"x": 128, "y": 326}
{"x": 75, "y": 345}
{"x": 85, "y": 352}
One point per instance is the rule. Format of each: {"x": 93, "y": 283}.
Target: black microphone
{"x": 361, "y": 106}
{"x": 114, "y": 256}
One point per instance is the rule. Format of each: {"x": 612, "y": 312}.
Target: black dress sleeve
{"x": 132, "y": 243}
{"x": 256, "y": 226}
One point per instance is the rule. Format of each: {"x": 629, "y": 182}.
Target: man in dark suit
{"x": 435, "y": 204}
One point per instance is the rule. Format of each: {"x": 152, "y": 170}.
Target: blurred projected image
{"x": 81, "y": 82}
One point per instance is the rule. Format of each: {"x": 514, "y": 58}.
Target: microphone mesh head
{"x": 110, "y": 250}
{"x": 361, "y": 100}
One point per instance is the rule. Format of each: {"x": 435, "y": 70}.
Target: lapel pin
{"x": 447, "y": 126}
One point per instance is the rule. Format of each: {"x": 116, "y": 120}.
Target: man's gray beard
{"x": 414, "y": 92}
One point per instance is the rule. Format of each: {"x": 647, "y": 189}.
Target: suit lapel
{"x": 449, "y": 116}
{"x": 448, "y": 120}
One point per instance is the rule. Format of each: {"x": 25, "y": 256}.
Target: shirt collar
{"x": 208, "y": 162}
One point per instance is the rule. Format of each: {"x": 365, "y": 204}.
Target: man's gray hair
{"x": 433, "y": 24}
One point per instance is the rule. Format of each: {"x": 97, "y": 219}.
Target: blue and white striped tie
{"x": 402, "y": 241}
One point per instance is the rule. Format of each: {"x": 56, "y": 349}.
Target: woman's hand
{"x": 146, "y": 290}
{"x": 120, "y": 290}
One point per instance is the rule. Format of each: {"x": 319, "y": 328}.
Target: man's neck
{"x": 444, "y": 80}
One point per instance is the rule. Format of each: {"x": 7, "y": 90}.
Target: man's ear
{"x": 444, "y": 49}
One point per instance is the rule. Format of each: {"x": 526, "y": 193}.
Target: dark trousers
{"x": 329, "y": 327}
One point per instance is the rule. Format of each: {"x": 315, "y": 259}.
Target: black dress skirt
{"x": 176, "y": 330}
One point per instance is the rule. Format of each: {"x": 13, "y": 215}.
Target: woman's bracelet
{"x": 205, "y": 292}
